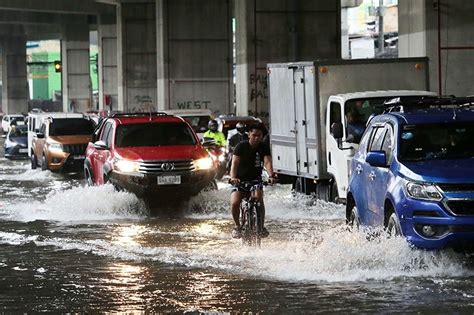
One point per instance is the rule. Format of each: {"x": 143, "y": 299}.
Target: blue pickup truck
{"x": 414, "y": 173}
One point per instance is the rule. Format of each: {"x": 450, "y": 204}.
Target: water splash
{"x": 79, "y": 204}
{"x": 280, "y": 204}
{"x": 333, "y": 255}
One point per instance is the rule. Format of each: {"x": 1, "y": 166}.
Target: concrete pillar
{"x": 14, "y": 80}
{"x": 162, "y": 59}
{"x": 245, "y": 56}
{"x": 108, "y": 90}
{"x": 280, "y": 31}
{"x": 76, "y": 81}
{"x": 440, "y": 30}
{"x": 345, "y": 53}
{"x": 195, "y": 54}
{"x": 137, "y": 57}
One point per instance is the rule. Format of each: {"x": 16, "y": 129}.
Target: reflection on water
{"x": 126, "y": 283}
{"x": 66, "y": 247}
{"x": 127, "y": 235}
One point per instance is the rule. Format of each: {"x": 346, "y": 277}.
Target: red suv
{"x": 156, "y": 156}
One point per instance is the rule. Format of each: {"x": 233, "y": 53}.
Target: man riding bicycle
{"x": 249, "y": 157}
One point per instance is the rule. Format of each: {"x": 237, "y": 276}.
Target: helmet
{"x": 212, "y": 125}
{"x": 241, "y": 127}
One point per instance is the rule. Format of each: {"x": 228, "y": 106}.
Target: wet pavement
{"x": 65, "y": 247}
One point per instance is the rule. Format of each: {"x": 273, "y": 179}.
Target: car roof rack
{"x": 138, "y": 114}
{"x": 401, "y": 104}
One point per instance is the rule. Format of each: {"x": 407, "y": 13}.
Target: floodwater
{"x": 65, "y": 247}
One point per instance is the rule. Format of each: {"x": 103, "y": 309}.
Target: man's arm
{"x": 268, "y": 164}
{"x": 233, "y": 169}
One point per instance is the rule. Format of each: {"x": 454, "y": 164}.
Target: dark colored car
{"x": 156, "y": 156}
{"x": 414, "y": 175}
{"x": 16, "y": 142}
{"x": 229, "y": 122}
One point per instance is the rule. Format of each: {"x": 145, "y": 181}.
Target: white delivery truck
{"x": 318, "y": 112}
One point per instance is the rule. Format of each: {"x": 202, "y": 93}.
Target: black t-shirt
{"x": 251, "y": 160}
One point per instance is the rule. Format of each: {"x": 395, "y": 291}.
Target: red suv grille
{"x": 158, "y": 167}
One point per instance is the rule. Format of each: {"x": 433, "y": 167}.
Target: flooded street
{"x": 65, "y": 247}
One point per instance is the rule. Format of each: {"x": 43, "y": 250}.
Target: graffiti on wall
{"x": 258, "y": 87}
{"x": 193, "y": 104}
{"x": 143, "y": 104}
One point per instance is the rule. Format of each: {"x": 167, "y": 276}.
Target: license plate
{"x": 23, "y": 150}
{"x": 79, "y": 157}
{"x": 169, "y": 180}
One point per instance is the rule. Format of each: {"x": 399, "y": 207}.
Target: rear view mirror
{"x": 376, "y": 158}
{"x": 101, "y": 145}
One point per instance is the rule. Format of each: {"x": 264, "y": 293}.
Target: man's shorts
{"x": 247, "y": 188}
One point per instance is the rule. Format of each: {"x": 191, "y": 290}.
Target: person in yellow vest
{"x": 214, "y": 134}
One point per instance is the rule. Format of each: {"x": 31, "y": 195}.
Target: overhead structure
{"x": 179, "y": 54}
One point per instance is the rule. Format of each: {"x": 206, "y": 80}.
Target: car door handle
{"x": 359, "y": 169}
{"x": 372, "y": 176}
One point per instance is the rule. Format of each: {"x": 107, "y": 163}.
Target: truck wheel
{"x": 322, "y": 191}
{"x": 34, "y": 161}
{"x": 334, "y": 194}
{"x": 44, "y": 164}
{"x": 393, "y": 226}
{"x": 298, "y": 185}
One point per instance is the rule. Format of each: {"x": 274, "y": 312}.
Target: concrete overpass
{"x": 160, "y": 54}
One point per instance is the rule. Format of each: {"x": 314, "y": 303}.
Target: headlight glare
{"x": 423, "y": 191}
{"x": 203, "y": 164}
{"x": 126, "y": 166}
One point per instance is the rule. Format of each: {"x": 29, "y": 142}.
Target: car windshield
{"x": 199, "y": 123}
{"x": 17, "y": 119}
{"x": 70, "y": 127}
{"x": 436, "y": 141}
{"x": 358, "y": 111}
{"x": 152, "y": 134}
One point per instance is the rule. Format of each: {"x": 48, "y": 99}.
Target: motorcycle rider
{"x": 249, "y": 157}
{"x": 238, "y": 137}
{"x": 214, "y": 134}
{"x": 235, "y": 139}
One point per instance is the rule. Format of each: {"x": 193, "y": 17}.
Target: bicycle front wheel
{"x": 254, "y": 227}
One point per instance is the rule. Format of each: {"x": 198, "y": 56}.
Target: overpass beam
{"x": 136, "y": 64}
{"x": 15, "y": 84}
{"x": 280, "y": 31}
{"x": 76, "y": 81}
{"x": 108, "y": 89}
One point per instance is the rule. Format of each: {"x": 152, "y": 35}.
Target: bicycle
{"x": 251, "y": 221}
